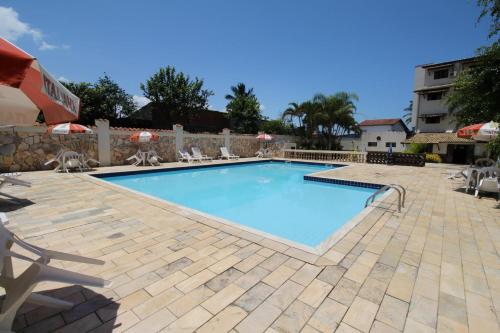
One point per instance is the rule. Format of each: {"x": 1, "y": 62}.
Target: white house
{"x": 378, "y": 135}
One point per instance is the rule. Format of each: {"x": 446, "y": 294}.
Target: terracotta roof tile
{"x": 437, "y": 138}
{"x": 376, "y": 122}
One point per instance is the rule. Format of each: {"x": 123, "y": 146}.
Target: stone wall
{"x": 208, "y": 144}
{"x": 28, "y": 148}
{"x": 122, "y": 148}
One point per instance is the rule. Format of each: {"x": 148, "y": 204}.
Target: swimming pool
{"x": 270, "y": 197}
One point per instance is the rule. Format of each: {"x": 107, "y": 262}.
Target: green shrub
{"x": 416, "y": 148}
{"x": 493, "y": 148}
{"x": 433, "y": 158}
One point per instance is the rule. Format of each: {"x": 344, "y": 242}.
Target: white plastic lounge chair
{"x": 19, "y": 289}
{"x": 139, "y": 158}
{"x": 197, "y": 154}
{"x": 10, "y": 174}
{"x": 186, "y": 157}
{"x": 71, "y": 160}
{"x": 260, "y": 153}
{"x": 4, "y": 180}
{"x": 488, "y": 181}
{"x": 226, "y": 155}
{"x": 86, "y": 161}
{"x": 56, "y": 159}
{"x": 153, "y": 158}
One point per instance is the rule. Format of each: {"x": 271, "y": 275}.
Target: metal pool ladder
{"x": 401, "y": 195}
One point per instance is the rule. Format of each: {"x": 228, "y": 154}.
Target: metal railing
{"x": 401, "y": 195}
{"x": 325, "y": 155}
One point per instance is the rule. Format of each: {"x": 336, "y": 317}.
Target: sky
{"x": 286, "y": 50}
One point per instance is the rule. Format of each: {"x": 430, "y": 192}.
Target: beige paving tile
{"x": 328, "y": 316}
{"x": 153, "y": 323}
{"x": 361, "y": 314}
{"x": 189, "y": 322}
{"x": 224, "y": 321}
{"x": 315, "y": 293}
{"x": 259, "y": 320}
{"x": 156, "y": 303}
{"x": 403, "y": 280}
{"x": 223, "y": 298}
{"x": 294, "y": 318}
{"x": 278, "y": 276}
{"x": 190, "y": 300}
{"x": 285, "y": 295}
{"x": 195, "y": 281}
{"x": 393, "y": 312}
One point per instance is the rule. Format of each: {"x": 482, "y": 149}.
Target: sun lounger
{"x": 137, "y": 158}
{"x": 186, "y": 157}
{"x": 19, "y": 289}
{"x": 153, "y": 158}
{"x": 198, "y": 155}
{"x": 71, "y": 160}
{"x": 56, "y": 159}
{"x": 226, "y": 155}
{"x": 488, "y": 180}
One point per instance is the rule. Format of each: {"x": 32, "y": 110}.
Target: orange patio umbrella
{"x": 26, "y": 88}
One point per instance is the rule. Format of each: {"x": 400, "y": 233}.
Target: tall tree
{"x": 243, "y": 109}
{"x": 102, "y": 99}
{"x": 334, "y": 114}
{"x": 476, "y": 94}
{"x": 176, "y": 93}
{"x": 407, "y": 113}
{"x": 490, "y": 8}
{"x": 294, "y": 111}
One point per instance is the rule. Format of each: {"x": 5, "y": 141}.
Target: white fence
{"x": 325, "y": 155}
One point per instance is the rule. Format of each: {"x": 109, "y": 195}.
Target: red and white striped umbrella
{"x": 68, "y": 128}
{"x": 26, "y": 88}
{"x": 264, "y": 137}
{"x": 480, "y": 132}
{"x": 144, "y": 136}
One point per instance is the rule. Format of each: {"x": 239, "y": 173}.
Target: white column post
{"x": 179, "y": 137}
{"x": 227, "y": 138}
{"x": 103, "y": 141}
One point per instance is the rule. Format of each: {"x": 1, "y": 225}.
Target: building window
{"x": 372, "y": 144}
{"x": 435, "y": 96}
{"x": 390, "y": 144}
{"x": 441, "y": 74}
{"x": 432, "y": 120}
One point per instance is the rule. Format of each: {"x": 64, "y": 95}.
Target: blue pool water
{"x": 269, "y": 196}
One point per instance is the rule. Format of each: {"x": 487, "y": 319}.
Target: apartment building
{"x": 432, "y": 122}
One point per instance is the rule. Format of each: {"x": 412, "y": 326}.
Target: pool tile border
{"x": 343, "y": 182}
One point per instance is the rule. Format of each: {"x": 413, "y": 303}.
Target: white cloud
{"x": 63, "y": 79}
{"x": 11, "y": 28}
{"x": 262, "y": 107}
{"x": 140, "y": 101}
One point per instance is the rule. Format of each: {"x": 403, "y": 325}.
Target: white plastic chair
{"x": 198, "y": 155}
{"x": 19, "y": 289}
{"x": 153, "y": 157}
{"x": 139, "y": 158}
{"x": 56, "y": 159}
{"x": 226, "y": 155}
{"x": 71, "y": 160}
{"x": 488, "y": 181}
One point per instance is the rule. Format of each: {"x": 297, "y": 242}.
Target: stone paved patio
{"x": 434, "y": 267}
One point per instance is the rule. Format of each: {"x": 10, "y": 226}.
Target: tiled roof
{"x": 376, "y": 122}
{"x": 438, "y": 138}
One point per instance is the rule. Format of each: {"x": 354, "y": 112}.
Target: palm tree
{"x": 239, "y": 90}
{"x": 407, "y": 112}
{"x": 335, "y": 114}
{"x": 294, "y": 110}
